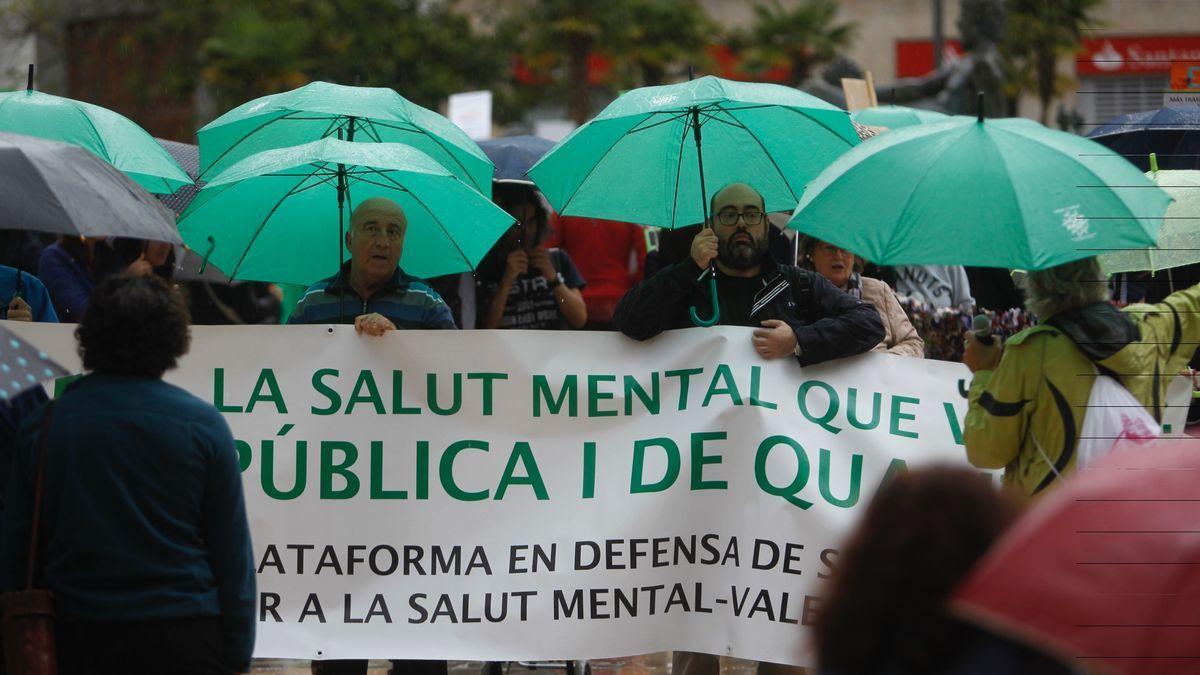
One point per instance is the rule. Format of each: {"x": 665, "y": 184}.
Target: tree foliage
{"x": 798, "y": 38}
{"x": 425, "y": 50}
{"x": 639, "y": 41}
{"x": 1038, "y": 35}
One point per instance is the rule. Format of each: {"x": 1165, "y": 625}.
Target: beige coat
{"x": 899, "y": 335}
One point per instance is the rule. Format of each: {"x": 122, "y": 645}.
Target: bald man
{"x": 795, "y": 312}
{"x": 370, "y": 290}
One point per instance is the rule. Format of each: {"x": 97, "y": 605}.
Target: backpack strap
{"x": 35, "y": 538}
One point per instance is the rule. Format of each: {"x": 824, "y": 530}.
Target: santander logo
{"x": 1107, "y": 58}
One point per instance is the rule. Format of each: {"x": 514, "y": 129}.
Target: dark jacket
{"x": 143, "y": 512}
{"x": 829, "y": 323}
{"x": 69, "y": 283}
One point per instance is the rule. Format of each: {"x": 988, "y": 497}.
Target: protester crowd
{"x": 123, "y": 497}
{"x": 158, "y": 550}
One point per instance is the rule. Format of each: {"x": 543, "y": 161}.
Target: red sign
{"x": 1099, "y": 56}
{"x": 914, "y": 58}
{"x": 1185, "y": 76}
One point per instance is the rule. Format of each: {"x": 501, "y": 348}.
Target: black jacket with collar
{"x": 829, "y": 323}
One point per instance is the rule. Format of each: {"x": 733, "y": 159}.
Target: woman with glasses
{"x": 843, "y": 269}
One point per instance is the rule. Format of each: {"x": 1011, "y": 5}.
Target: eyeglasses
{"x": 730, "y": 218}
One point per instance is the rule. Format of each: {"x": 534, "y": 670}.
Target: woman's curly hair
{"x": 918, "y": 538}
{"x": 133, "y": 326}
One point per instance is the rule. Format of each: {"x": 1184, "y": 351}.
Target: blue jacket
{"x": 32, "y": 291}
{"x": 143, "y": 510}
{"x": 69, "y": 283}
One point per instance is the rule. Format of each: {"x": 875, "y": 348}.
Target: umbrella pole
{"x": 712, "y": 268}
{"x": 20, "y": 264}
{"x": 341, "y": 199}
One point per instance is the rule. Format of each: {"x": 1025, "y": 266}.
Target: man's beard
{"x": 743, "y": 254}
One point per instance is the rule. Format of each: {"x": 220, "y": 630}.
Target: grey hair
{"x": 1068, "y": 286}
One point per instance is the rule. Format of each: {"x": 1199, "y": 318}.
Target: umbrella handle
{"x": 716, "y": 307}
{"x": 212, "y": 245}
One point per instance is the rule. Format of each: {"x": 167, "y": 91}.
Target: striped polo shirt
{"x": 405, "y": 300}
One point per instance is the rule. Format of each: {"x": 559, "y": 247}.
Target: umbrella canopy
{"x": 63, "y": 189}
{"x": 896, "y": 116}
{"x": 514, "y": 156}
{"x": 1107, "y": 569}
{"x": 108, "y": 135}
{"x": 638, "y": 160}
{"x": 1004, "y": 193}
{"x": 1173, "y": 134}
{"x": 1178, "y": 240}
{"x": 323, "y": 110}
{"x": 23, "y": 366}
{"x": 275, "y": 216}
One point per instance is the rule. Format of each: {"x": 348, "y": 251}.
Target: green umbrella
{"x": 1004, "y": 193}
{"x": 656, "y": 155}
{"x": 1178, "y": 240}
{"x": 110, "y": 136}
{"x": 278, "y": 215}
{"x": 896, "y": 116}
{"x": 321, "y": 110}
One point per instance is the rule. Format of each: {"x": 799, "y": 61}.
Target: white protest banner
{"x": 493, "y": 495}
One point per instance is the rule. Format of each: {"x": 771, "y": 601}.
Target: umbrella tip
{"x": 29, "y": 79}
{"x": 1154, "y": 162}
{"x": 691, "y": 73}
{"x": 979, "y": 99}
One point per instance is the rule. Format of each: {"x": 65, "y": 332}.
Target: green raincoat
{"x": 1038, "y": 394}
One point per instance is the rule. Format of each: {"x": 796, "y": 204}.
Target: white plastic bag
{"x": 1112, "y": 414}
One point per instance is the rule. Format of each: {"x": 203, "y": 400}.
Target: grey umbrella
{"x": 64, "y": 189}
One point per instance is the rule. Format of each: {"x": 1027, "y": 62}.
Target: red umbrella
{"x": 1107, "y": 569}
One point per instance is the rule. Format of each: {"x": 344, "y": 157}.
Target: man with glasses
{"x": 795, "y": 312}
{"x": 370, "y": 290}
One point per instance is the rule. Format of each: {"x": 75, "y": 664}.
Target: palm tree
{"x": 561, "y": 37}
{"x": 641, "y": 40}
{"x": 1038, "y": 34}
{"x": 798, "y": 38}
{"x": 666, "y": 34}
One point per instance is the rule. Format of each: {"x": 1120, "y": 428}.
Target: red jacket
{"x": 609, "y": 255}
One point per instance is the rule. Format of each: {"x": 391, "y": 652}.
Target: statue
{"x": 955, "y": 86}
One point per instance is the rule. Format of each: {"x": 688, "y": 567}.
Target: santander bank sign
{"x": 1117, "y": 55}
{"x": 1133, "y": 55}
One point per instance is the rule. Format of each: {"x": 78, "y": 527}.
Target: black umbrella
{"x": 23, "y": 366}
{"x": 1172, "y": 134}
